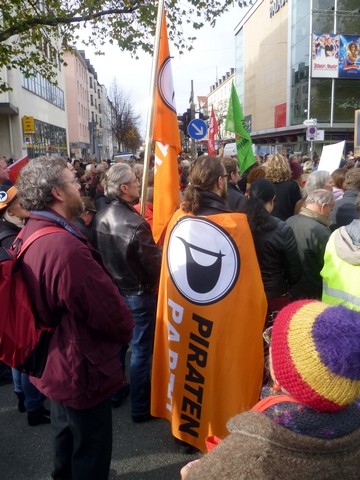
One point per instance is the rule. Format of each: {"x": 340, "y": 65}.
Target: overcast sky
{"x": 213, "y": 55}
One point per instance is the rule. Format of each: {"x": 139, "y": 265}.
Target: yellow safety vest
{"x": 340, "y": 279}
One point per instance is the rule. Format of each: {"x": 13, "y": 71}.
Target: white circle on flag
{"x": 203, "y": 260}
{"x": 165, "y": 84}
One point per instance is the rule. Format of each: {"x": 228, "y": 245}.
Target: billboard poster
{"x": 325, "y": 55}
{"x": 349, "y": 65}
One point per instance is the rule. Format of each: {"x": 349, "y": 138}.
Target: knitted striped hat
{"x": 315, "y": 354}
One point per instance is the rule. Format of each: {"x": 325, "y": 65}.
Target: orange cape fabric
{"x": 208, "y": 352}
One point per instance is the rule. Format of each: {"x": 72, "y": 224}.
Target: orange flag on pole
{"x": 213, "y": 130}
{"x": 167, "y": 141}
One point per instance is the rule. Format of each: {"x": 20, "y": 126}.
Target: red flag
{"x": 15, "y": 168}
{"x": 213, "y": 130}
{"x": 167, "y": 141}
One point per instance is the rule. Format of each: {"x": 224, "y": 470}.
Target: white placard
{"x": 331, "y": 156}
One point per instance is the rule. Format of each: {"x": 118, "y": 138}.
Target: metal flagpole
{"x": 149, "y": 129}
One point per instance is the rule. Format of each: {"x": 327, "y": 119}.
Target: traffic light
{"x": 185, "y": 119}
{"x": 203, "y": 117}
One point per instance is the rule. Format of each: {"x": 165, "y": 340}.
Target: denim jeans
{"x": 143, "y": 309}
{"x": 33, "y": 398}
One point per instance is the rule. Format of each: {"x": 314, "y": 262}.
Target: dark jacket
{"x": 126, "y": 244}
{"x": 8, "y": 233}
{"x": 99, "y": 199}
{"x": 345, "y": 210}
{"x": 287, "y": 194}
{"x": 211, "y": 204}
{"x": 278, "y": 257}
{"x": 235, "y": 199}
{"x": 312, "y": 234}
{"x": 260, "y": 449}
{"x": 80, "y": 225}
{"x": 70, "y": 288}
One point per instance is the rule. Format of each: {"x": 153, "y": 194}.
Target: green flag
{"x": 235, "y": 123}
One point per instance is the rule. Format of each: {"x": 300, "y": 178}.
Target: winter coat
{"x": 212, "y": 204}
{"x": 235, "y": 199}
{"x": 260, "y": 449}
{"x": 127, "y": 247}
{"x": 342, "y": 267}
{"x": 287, "y": 194}
{"x": 345, "y": 210}
{"x": 311, "y": 234}
{"x": 8, "y": 233}
{"x": 71, "y": 289}
{"x": 278, "y": 257}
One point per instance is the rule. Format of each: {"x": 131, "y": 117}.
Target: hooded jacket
{"x": 342, "y": 267}
{"x": 345, "y": 209}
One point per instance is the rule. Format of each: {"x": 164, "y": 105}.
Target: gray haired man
{"x": 311, "y": 230}
{"x": 126, "y": 244}
{"x": 72, "y": 291}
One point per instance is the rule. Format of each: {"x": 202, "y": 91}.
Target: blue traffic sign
{"x": 197, "y": 129}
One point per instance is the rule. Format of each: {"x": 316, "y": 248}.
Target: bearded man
{"x": 73, "y": 292}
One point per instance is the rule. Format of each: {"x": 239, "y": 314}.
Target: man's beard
{"x": 224, "y": 194}
{"x": 76, "y": 208}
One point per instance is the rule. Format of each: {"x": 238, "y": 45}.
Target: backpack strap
{"x": 34, "y": 236}
{"x": 268, "y": 402}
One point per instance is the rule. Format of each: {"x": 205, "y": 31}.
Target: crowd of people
{"x": 274, "y": 250}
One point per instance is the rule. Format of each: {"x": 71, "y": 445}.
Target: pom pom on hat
{"x": 315, "y": 354}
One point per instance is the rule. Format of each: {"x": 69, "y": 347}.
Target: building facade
{"x": 219, "y": 99}
{"x": 293, "y": 69}
{"x": 77, "y": 104}
{"x": 108, "y": 148}
{"x": 95, "y": 112}
{"x": 33, "y": 119}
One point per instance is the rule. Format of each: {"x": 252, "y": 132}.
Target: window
{"x": 323, "y": 22}
{"x": 320, "y": 101}
{"x": 323, "y": 4}
{"x": 348, "y": 5}
{"x": 47, "y": 139}
{"x": 346, "y": 94}
{"x": 44, "y": 89}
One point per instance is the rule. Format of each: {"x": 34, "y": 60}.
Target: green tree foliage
{"x": 35, "y": 33}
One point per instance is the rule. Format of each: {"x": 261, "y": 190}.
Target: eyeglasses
{"x": 225, "y": 175}
{"x": 267, "y": 335}
{"x": 74, "y": 181}
{"x": 136, "y": 180}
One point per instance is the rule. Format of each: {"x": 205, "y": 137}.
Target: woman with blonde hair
{"x": 287, "y": 191}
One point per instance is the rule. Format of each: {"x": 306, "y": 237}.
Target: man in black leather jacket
{"x": 125, "y": 242}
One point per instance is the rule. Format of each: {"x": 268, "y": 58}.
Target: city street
{"x": 144, "y": 451}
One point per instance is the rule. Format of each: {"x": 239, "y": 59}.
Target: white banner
{"x": 331, "y": 156}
